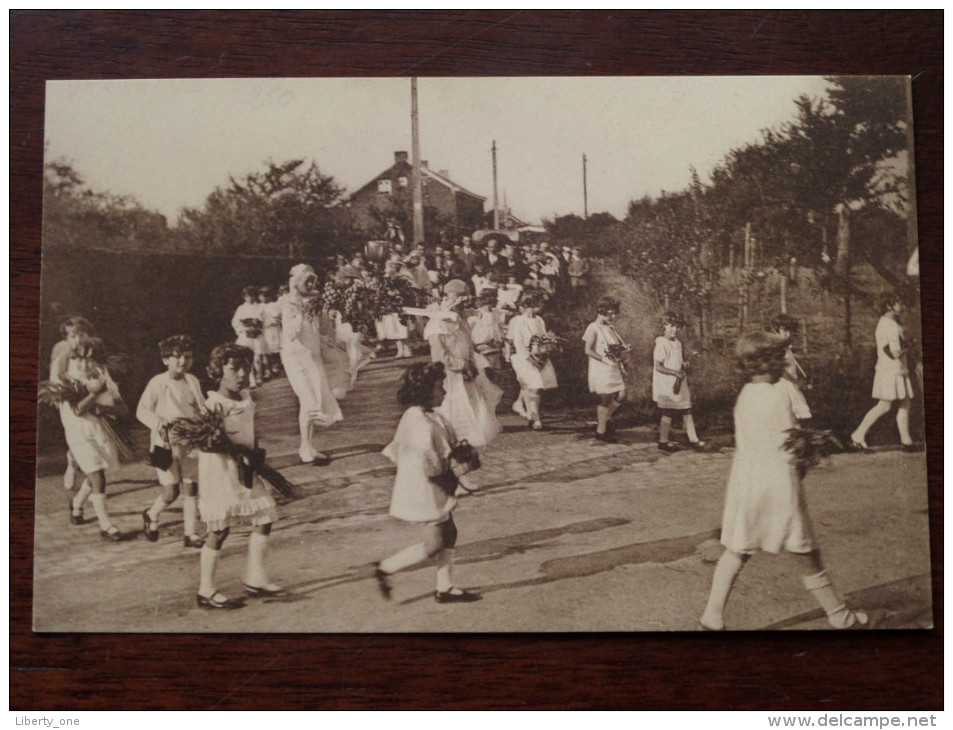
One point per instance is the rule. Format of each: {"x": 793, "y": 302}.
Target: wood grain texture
{"x": 766, "y": 671}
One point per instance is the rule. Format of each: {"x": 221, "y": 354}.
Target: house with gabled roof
{"x": 388, "y": 197}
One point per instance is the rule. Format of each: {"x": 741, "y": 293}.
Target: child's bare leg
{"x": 688, "y": 420}
{"x": 431, "y": 545}
{"x": 533, "y": 398}
{"x": 519, "y": 405}
{"x": 729, "y": 566}
{"x": 880, "y": 408}
{"x": 903, "y": 422}
{"x": 167, "y": 495}
{"x": 815, "y": 579}
{"x": 445, "y": 556}
{"x": 69, "y": 476}
{"x": 190, "y": 513}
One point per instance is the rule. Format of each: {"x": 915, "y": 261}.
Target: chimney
{"x": 445, "y": 173}
{"x": 400, "y": 157}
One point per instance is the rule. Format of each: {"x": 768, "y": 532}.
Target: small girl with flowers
{"x": 534, "y": 370}
{"x": 669, "y": 388}
{"x": 765, "y": 507}
{"x": 605, "y": 349}
{"x": 424, "y": 489}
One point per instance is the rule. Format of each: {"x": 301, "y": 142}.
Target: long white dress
{"x": 521, "y": 331}
{"x": 892, "y": 375}
{"x": 470, "y": 403}
{"x": 765, "y": 507}
{"x": 302, "y": 361}
{"x": 421, "y": 449}
{"x": 604, "y": 377}
{"x": 223, "y": 499}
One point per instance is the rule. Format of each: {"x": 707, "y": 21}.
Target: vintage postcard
{"x": 480, "y": 355}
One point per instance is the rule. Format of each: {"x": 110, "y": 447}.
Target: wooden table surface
{"x": 781, "y": 671}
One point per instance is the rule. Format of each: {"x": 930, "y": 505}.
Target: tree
{"x": 287, "y": 210}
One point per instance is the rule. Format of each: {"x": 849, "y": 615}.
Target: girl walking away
{"x": 793, "y": 376}
{"x": 669, "y": 389}
{"x": 75, "y": 330}
{"x": 891, "y": 377}
{"x": 231, "y": 491}
{"x": 534, "y": 370}
{"x": 765, "y": 507}
{"x": 90, "y": 438}
{"x": 247, "y": 323}
{"x": 176, "y": 393}
{"x": 425, "y": 484}
{"x": 605, "y": 349}
{"x": 303, "y": 363}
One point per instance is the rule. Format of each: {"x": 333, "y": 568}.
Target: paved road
{"x": 565, "y": 534}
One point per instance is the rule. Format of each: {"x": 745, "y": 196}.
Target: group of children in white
{"x": 450, "y": 417}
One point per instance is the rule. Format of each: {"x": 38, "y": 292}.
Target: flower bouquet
{"x": 543, "y": 347}
{"x": 809, "y": 447}
{"x": 53, "y": 393}
{"x": 206, "y": 431}
{"x": 253, "y": 327}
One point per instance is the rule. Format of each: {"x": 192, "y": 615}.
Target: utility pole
{"x": 496, "y": 201}
{"x": 418, "y": 183}
{"x": 585, "y": 190}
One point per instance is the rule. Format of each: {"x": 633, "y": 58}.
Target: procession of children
{"x": 484, "y": 334}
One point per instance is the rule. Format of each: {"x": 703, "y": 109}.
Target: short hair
{"x": 488, "y": 296}
{"x": 250, "y": 291}
{"x": 91, "y": 348}
{"x": 268, "y": 291}
{"x": 531, "y": 298}
{"x": 176, "y": 345}
{"x": 417, "y": 383}
{"x": 784, "y": 322}
{"x": 76, "y": 321}
{"x": 886, "y": 302}
{"x": 607, "y": 305}
{"x": 758, "y": 353}
{"x": 226, "y": 353}
{"x": 670, "y": 318}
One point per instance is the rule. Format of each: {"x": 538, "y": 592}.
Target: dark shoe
{"x": 607, "y": 437}
{"x": 112, "y": 534}
{"x": 857, "y": 446}
{"x": 383, "y": 581}
{"x": 451, "y": 597}
{"x": 192, "y": 542}
{"x": 913, "y": 448}
{"x": 321, "y": 459}
{"x": 217, "y": 600}
{"x": 669, "y": 447}
{"x": 151, "y": 535}
{"x": 74, "y": 519}
{"x": 699, "y": 445}
{"x": 263, "y": 591}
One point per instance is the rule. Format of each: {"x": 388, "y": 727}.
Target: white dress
{"x": 164, "y": 400}
{"x": 521, "y": 331}
{"x": 223, "y": 499}
{"x": 271, "y": 321}
{"x": 303, "y": 364}
{"x": 764, "y": 504}
{"x": 604, "y": 377}
{"x": 389, "y": 327}
{"x": 88, "y": 438}
{"x": 789, "y": 384}
{"x": 420, "y": 448}
{"x": 470, "y": 404}
{"x": 669, "y": 353}
{"x": 892, "y": 375}
{"x": 486, "y": 332}
{"x": 248, "y": 311}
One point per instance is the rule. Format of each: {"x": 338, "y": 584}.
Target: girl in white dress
{"x": 534, "y": 375}
{"x": 88, "y": 437}
{"x": 486, "y": 329}
{"x": 606, "y": 375}
{"x": 470, "y": 404}
{"x": 765, "y": 508}
{"x": 669, "y": 389}
{"x": 271, "y": 331}
{"x": 424, "y": 487}
{"x": 226, "y": 498}
{"x": 892, "y": 382}
{"x": 302, "y": 361}
{"x": 75, "y": 330}
{"x": 247, "y": 323}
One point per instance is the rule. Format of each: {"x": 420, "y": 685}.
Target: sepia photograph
{"x": 480, "y": 355}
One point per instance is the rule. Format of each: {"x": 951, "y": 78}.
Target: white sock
{"x": 838, "y": 614}
{"x": 85, "y": 489}
{"x": 208, "y": 560}
{"x": 190, "y": 513}
{"x": 728, "y": 568}
{"x": 156, "y": 509}
{"x": 445, "y": 569}
{"x": 255, "y": 574}
{"x": 102, "y": 514}
{"x": 405, "y": 558}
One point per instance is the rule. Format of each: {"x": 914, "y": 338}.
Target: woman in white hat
{"x": 470, "y": 403}
{"x": 303, "y": 364}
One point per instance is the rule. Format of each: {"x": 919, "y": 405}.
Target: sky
{"x": 170, "y": 143}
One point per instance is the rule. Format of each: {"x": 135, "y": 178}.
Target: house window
{"x": 384, "y": 186}
{"x": 402, "y": 181}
